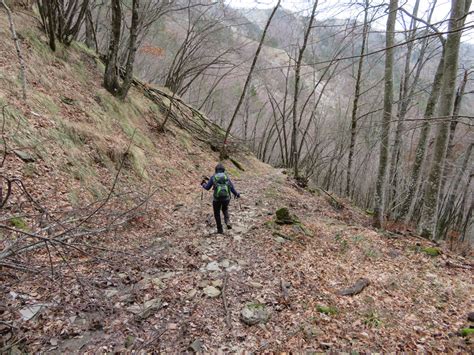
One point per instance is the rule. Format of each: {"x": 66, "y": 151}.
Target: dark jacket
{"x": 210, "y": 184}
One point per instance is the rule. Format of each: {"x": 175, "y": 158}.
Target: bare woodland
{"x": 404, "y": 154}
{"x": 367, "y": 117}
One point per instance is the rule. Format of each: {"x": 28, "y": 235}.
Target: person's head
{"x": 220, "y": 168}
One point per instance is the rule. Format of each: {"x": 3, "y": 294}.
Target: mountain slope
{"x": 139, "y": 276}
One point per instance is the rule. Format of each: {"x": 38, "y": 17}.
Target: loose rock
{"x": 217, "y": 283}
{"x": 254, "y": 313}
{"x": 150, "y": 307}
{"x": 470, "y": 316}
{"x": 213, "y": 266}
{"x": 26, "y": 157}
{"x": 196, "y": 346}
{"x": 211, "y": 291}
{"x": 225, "y": 263}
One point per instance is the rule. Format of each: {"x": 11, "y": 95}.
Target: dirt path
{"x": 176, "y": 266}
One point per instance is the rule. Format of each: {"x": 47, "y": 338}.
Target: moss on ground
{"x": 328, "y": 310}
{"x": 431, "y": 251}
{"x": 81, "y": 47}
{"x": 18, "y": 223}
{"x": 466, "y": 332}
{"x": 372, "y": 319}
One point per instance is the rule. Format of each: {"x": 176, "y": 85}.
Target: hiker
{"x": 222, "y": 187}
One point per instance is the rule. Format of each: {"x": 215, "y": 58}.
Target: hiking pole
{"x": 204, "y": 180}
{"x": 240, "y": 204}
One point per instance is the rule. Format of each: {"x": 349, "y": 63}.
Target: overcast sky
{"x": 341, "y": 9}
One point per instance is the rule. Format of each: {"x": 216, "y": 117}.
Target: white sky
{"x": 341, "y": 9}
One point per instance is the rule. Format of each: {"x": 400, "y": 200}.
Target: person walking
{"x": 223, "y": 188}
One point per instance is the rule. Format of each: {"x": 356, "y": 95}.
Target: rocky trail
{"x": 172, "y": 285}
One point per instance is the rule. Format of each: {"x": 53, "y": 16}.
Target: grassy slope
{"x": 414, "y": 301}
{"x": 80, "y": 132}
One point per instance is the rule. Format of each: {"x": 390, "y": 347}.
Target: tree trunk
{"x": 111, "y": 82}
{"x": 431, "y": 198}
{"x": 452, "y": 129}
{"x": 90, "y": 42}
{"x": 51, "y": 24}
{"x": 294, "y": 158}
{"x": 355, "y": 103}
{"x": 420, "y": 152}
{"x": 132, "y": 50}
{"x": 406, "y": 94}
{"x": 448, "y": 212}
{"x": 387, "y": 115}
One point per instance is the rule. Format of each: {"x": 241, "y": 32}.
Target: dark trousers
{"x": 218, "y": 206}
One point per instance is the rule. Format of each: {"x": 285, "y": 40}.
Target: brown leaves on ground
{"x": 414, "y": 302}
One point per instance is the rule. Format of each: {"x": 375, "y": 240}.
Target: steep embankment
{"x": 147, "y": 274}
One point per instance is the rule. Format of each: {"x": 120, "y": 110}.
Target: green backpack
{"x": 221, "y": 186}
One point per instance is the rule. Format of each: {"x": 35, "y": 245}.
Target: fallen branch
{"x": 59, "y": 240}
{"x": 356, "y": 289}
{"x": 333, "y": 202}
{"x": 154, "y": 339}
{"x": 18, "y": 267}
{"x": 224, "y": 301}
{"x": 466, "y": 266}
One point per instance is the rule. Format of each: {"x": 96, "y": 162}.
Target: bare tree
{"x": 420, "y": 152}
{"x": 387, "y": 115}
{"x": 224, "y": 153}
{"x": 62, "y": 19}
{"x": 193, "y": 58}
{"x": 125, "y": 39}
{"x": 294, "y": 134}
{"x": 355, "y": 102}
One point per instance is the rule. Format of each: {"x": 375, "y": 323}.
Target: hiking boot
{"x": 229, "y": 226}
{"x": 220, "y": 231}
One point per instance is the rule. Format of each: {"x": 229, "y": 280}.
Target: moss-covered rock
{"x": 431, "y": 251}
{"x": 283, "y": 216}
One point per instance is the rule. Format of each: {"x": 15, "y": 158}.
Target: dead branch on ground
{"x": 224, "y": 302}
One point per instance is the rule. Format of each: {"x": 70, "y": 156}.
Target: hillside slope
{"x": 144, "y": 271}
